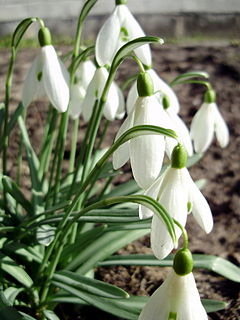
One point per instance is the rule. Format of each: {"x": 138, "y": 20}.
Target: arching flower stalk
{"x": 47, "y": 76}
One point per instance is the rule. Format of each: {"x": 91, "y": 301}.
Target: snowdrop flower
{"x": 176, "y": 191}
{"x": 78, "y": 89}
{"x": 114, "y": 106}
{"x": 120, "y": 28}
{"x": 207, "y": 121}
{"x": 47, "y": 75}
{"x": 145, "y": 152}
{"x": 177, "y": 298}
{"x": 161, "y": 89}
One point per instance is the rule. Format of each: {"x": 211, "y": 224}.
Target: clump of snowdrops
{"x": 75, "y": 220}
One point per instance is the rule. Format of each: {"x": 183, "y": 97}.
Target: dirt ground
{"x": 219, "y": 166}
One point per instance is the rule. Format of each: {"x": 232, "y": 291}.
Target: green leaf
{"x": 23, "y": 250}
{"x": 9, "y": 266}
{"x": 86, "y": 9}
{"x": 50, "y": 315}
{"x": 12, "y": 188}
{"x": 124, "y": 189}
{"x": 33, "y": 164}
{"x": 93, "y": 286}
{"x": 216, "y": 264}
{"x": 11, "y": 293}
{"x": 6, "y": 311}
{"x": 26, "y": 316}
{"x": 45, "y": 234}
{"x": 195, "y": 158}
{"x": 102, "y": 248}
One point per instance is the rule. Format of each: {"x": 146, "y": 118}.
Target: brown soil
{"x": 219, "y": 166}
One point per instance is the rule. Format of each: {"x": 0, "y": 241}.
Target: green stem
{"x": 184, "y": 234}
{"x": 73, "y": 147}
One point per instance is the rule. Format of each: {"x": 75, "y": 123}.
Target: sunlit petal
{"x": 221, "y": 128}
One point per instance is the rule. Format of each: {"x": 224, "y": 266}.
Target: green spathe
{"x": 183, "y": 262}
{"x": 179, "y": 157}
{"x": 144, "y": 85}
{"x": 44, "y": 37}
{"x": 210, "y": 96}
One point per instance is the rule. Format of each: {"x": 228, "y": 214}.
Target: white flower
{"x": 205, "y": 122}
{"x": 78, "y": 90}
{"x": 113, "y": 106}
{"x": 47, "y": 75}
{"x": 160, "y": 87}
{"x": 120, "y": 28}
{"x": 145, "y": 152}
{"x": 175, "y": 190}
{"x": 177, "y": 297}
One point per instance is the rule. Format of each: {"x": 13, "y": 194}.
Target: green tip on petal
{"x": 183, "y": 262}
{"x": 120, "y": 2}
{"x": 144, "y": 85}
{"x": 166, "y": 102}
{"x": 179, "y": 157}
{"x": 210, "y": 96}
{"x": 172, "y": 316}
{"x": 44, "y": 37}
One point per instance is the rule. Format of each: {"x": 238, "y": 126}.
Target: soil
{"x": 219, "y": 166}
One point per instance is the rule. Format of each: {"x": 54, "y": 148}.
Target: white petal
{"x": 107, "y": 40}
{"x": 200, "y": 208}
{"x": 134, "y": 31}
{"x": 77, "y": 94}
{"x": 31, "y": 83}
{"x": 146, "y": 152}
{"x": 85, "y": 73}
{"x": 94, "y": 92}
{"x": 221, "y": 128}
{"x": 121, "y": 155}
{"x": 121, "y": 107}
{"x": 152, "y": 192}
{"x": 112, "y": 103}
{"x": 173, "y": 197}
{"x": 162, "y": 86}
{"x": 54, "y": 82}
{"x": 159, "y": 304}
{"x": 202, "y": 128}
{"x": 132, "y": 97}
{"x": 182, "y": 131}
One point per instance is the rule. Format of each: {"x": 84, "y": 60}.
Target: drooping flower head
{"x": 120, "y": 28}
{"x": 47, "y": 75}
{"x": 145, "y": 152}
{"x": 78, "y": 89}
{"x": 177, "y": 298}
{"x": 114, "y": 105}
{"x": 177, "y": 192}
{"x": 206, "y": 122}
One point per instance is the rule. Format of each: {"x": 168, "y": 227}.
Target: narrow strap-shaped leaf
{"x": 50, "y": 315}
{"x": 33, "y": 163}
{"x": 20, "y": 30}
{"x": 124, "y": 189}
{"x": 93, "y": 286}
{"x": 11, "y": 293}
{"x": 23, "y": 250}
{"x": 9, "y": 266}
{"x": 104, "y": 246}
{"x": 216, "y": 264}
{"x": 12, "y": 188}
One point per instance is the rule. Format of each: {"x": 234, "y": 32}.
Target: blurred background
{"x": 201, "y": 20}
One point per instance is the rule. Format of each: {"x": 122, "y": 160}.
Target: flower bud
{"x": 44, "y": 37}
{"x": 210, "y": 96}
{"x": 144, "y": 85}
{"x": 179, "y": 157}
{"x": 166, "y": 102}
{"x": 120, "y": 2}
{"x": 183, "y": 262}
